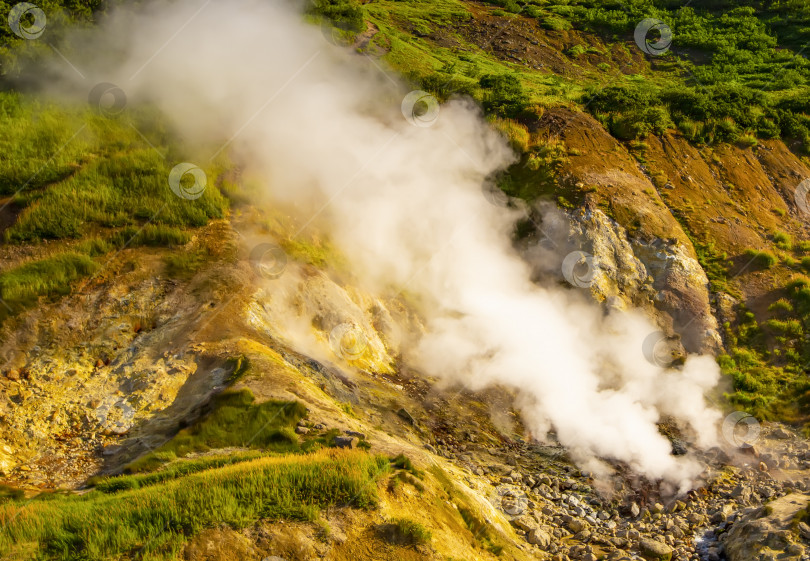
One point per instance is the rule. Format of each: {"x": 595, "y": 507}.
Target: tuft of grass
{"x": 10, "y": 494}
{"x": 783, "y": 240}
{"x": 404, "y": 531}
{"x": 404, "y": 463}
{"x": 761, "y": 259}
{"x": 46, "y": 277}
{"x": 235, "y": 420}
{"x": 157, "y": 520}
{"x": 516, "y": 133}
{"x": 781, "y": 306}
{"x": 790, "y": 327}
{"x": 184, "y": 265}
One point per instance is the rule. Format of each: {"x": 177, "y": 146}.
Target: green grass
{"x": 760, "y": 259}
{"x": 47, "y": 277}
{"x": 10, "y": 494}
{"x": 235, "y": 420}
{"x": 750, "y": 80}
{"x": 184, "y": 265}
{"x": 716, "y": 266}
{"x": 74, "y": 171}
{"x": 317, "y": 252}
{"x": 404, "y": 463}
{"x": 118, "y": 190}
{"x": 767, "y": 362}
{"x": 78, "y": 175}
{"x": 155, "y": 521}
{"x": 173, "y": 470}
{"x": 783, "y": 240}
{"x": 404, "y": 531}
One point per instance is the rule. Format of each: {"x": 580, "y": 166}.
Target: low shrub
{"x": 761, "y": 259}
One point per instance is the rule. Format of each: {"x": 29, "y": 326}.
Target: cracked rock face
{"x": 86, "y": 377}
{"x": 659, "y": 277}
{"x": 768, "y": 532}
{"x": 349, "y": 326}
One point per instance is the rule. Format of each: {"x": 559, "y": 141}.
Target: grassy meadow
{"x": 154, "y": 521}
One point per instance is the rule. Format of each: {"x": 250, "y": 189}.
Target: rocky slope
{"x": 119, "y": 366}
{"x": 103, "y": 376}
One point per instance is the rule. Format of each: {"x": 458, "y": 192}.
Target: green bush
{"x": 343, "y": 14}
{"x": 504, "y": 95}
{"x": 404, "y": 531}
{"x": 761, "y": 259}
{"x": 783, "y": 240}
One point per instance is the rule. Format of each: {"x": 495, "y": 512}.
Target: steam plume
{"x": 404, "y": 203}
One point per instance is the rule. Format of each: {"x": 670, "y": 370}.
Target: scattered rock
{"x": 804, "y": 530}
{"x": 346, "y": 441}
{"x": 575, "y": 525}
{"x": 405, "y": 416}
{"x": 525, "y": 523}
{"x": 538, "y": 537}
{"x": 758, "y": 528}
{"x": 301, "y": 430}
{"x": 653, "y": 550}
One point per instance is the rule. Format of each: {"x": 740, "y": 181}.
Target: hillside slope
{"x": 147, "y": 373}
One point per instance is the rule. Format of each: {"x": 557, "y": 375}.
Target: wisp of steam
{"x": 404, "y": 203}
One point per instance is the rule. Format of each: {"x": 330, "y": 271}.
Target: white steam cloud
{"x": 405, "y": 204}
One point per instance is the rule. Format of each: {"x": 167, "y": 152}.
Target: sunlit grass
{"x": 46, "y": 277}
{"x": 155, "y": 521}
{"x": 235, "y": 420}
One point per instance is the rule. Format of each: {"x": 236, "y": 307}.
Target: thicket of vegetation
{"x": 734, "y": 71}
{"x": 61, "y": 14}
